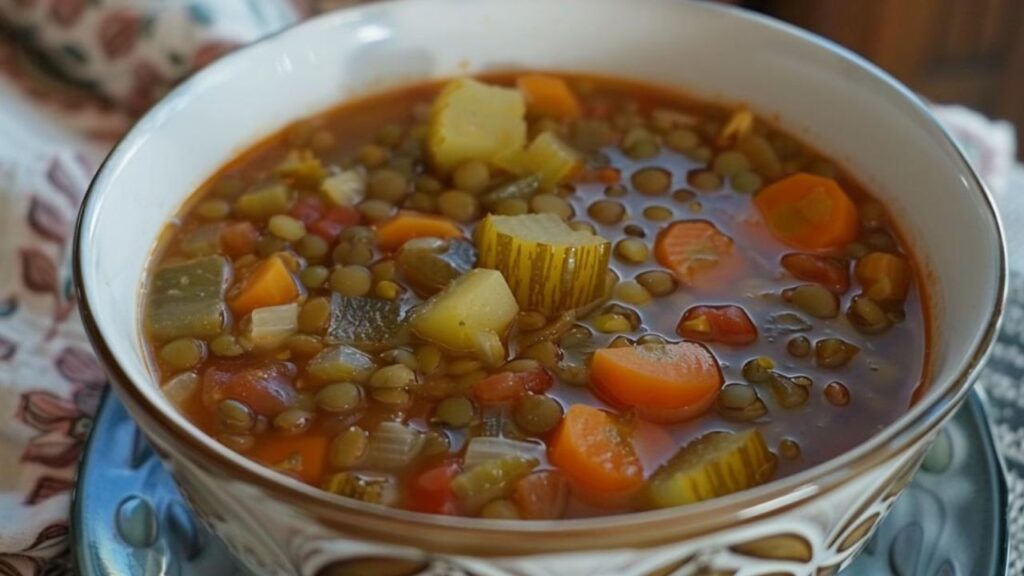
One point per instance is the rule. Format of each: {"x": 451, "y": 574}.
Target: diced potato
{"x": 549, "y": 266}
{"x": 347, "y": 188}
{"x": 478, "y": 301}
{"x": 473, "y": 121}
{"x": 715, "y": 464}
{"x": 547, "y": 156}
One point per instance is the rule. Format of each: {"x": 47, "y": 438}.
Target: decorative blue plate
{"x": 128, "y": 517}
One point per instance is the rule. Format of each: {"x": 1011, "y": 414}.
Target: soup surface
{"x": 535, "y": 297}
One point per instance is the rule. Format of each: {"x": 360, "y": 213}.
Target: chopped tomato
{"x": 510, "y": 386}
{"x": 308, "y": 209}
{"x": 431, "y": 491}
{"x": 541, "y": 495}
{"x": 336, "y": 220}
{"x": 725, "y": 324}
{"x": 266, "y": 388}
{"x": 832, "y": 273}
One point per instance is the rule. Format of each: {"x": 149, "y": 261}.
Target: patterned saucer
{"x": 129, "y": 518}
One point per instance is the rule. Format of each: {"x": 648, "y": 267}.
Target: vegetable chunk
{"x": 479, "y": 301}
{"x": 188, "y": 299}
{"x": 549, "y": 266}
{"x": 471, "y": 120}
{"x": 715, "y": 464}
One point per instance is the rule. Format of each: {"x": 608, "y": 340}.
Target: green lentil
{"x": 458, "y": 205}
{"x": 642, "y": 149}
{"x": 632, "y": 251}
{"x": 616, "y": 191}
{"x": 631, "y": 292}
{"x": 705, "y": 180}
{"x": 583, "y": 226}
{"x": 375, "y": 210}
{"x": 472, "y": 176}
{"x": 235, "y": 417}
{"x": 421, "y": 202}
{"x": 387, "y": 184}
{"x": 789, "y": 449}
{"x": 730, "y": 163}
{"x": 798, "y": 346}
{"x": 293, "y": 421}
{"x": 700, "y": 154}
{"x": 214, "y": 209}
{"x": 658, "y": 213}
{"x": 551, "y": 204}
{"x": 657, "y": 282}
{"x": 428, "y": 358}
{"x": 837, "y": 394}
{"x": 813, "y": 299}
{"x": 454, "y": 411}
{"x": 652, "y": 181}
{"x": 394, "y": 376}
{"x": 537, "y": 414}
{"x": 684, "y": 196}
{"x": 511, "y": 207}
{"x": 226, "y": 346}
{"x": 757, "y": 370}
{"x": 348, "y": 448}
{"x": 351, "y": 280}
{"x": 181, "y": 354}
{"x": 607, "y": 211}
{"x": 395, "y": 397}
{"x": 314, "y": 315}
{"x": 339, "y": 397}
{"x": 612, "y": 323}
{"x": 746, "y": 182}
{"x": 682, "y": 140}
{"x": 269, "y": 245}
{"x": 286, "y": 228}
{"x": 304, "y": 345}
{"x": 312, "y": 247}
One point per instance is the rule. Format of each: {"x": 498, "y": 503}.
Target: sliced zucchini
{"x": 188, "y": 299}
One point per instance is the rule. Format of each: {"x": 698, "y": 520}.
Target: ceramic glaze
{"x": 842, "y": 106}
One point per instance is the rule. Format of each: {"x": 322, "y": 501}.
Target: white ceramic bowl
{"x": 814, "y": 520}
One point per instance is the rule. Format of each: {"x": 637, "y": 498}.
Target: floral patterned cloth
{"x": 52, "y": 138}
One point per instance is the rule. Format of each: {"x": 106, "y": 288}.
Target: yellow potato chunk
{"x": 549, "y": 266}
{"x": 547, "y": 156}
{"x": 471, "y": 120}
{"x": 478, "y": 301}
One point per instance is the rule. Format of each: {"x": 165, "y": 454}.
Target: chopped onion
{"x": 484, "y": 449}
{"x": 347, "y": 188}
{"x": 393, "y": 446}
{"x": 271, "y": 325}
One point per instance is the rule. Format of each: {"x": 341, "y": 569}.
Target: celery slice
{"x": 188, "y": 299}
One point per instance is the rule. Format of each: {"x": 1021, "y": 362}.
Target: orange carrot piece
{"x": 301, "y": 456}
{"x": 672, "y": 382}
{"x": 595, "y": 452}
{"x": 808, "y": 212}
{"x": 548, "y": 96}
{"x": 271, "y": 283}
{"x": 541, "y": 496}
{"x": 690, "y": 247}
{"x": 885, "y": 277}
{"x": 407, "y": 225}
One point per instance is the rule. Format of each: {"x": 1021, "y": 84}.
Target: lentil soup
{"x": 535, "y": 296}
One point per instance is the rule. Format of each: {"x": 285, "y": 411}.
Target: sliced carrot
{"x": 269, "y": 284}
{"x": 832, "y": 273}
{"x": 885, "y": 277}
{"x": 407, "y": 225}
{"x": 808, "y": 212}
{"x": 691, "y": 247}
{"x": 671, "y": 380}
{"x": 300, "y": 456}
{"x": 595, "y": 452}
{"x": 239, "y": 238}
{"x": 726, "y": 324}
{"x": 548, "y": 96}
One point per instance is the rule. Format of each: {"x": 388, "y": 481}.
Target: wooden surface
{"x": 968, "y": 52}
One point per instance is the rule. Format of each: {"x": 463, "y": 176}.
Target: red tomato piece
{"x": 832, "y": 273}
{"x": 336, "y": 220}
{"x": 725, "y": 324}
{"x": 541, "y": 495}
{"x": 431, "y": 491}
{"x": 266, "y": 388}
{"x": 239, "y": 238}
{"x": 307, "y": 208}
{"x": 510, "y": 386}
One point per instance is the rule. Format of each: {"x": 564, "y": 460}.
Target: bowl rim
{"x": 673, "y": 523}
